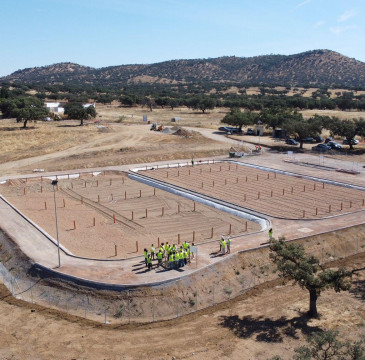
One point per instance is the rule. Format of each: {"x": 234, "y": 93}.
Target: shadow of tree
{"x": 16, "y": 128}
{"x": 68, "y": 125}
{"x": 266, "y": 329}
{"x": 358, "y": 289}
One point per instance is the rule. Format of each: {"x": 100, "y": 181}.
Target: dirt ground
{"x": 119, "y": 136}
{"x": 169, "y": 217}
{"x": 269, "y": 193}
{"x": 266, "y": 321}
{"x": 50, "y": 147}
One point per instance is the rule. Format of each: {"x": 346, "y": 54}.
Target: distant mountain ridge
{"x": 313, "y": 68}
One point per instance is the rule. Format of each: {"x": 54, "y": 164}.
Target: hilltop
{"x": 311, "y": 68}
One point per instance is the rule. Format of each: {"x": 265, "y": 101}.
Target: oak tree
{"x": 305, "y": 270}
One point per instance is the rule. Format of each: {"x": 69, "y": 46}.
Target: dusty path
{"x": 218, "y": 136}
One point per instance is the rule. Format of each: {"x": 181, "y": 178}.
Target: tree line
{"x": 272, "y": 111}
{"x": 216, "y": 95}
{"x": 27, "y": 108}
{"x": 294, "y": 123}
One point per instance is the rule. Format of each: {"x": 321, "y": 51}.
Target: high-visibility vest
{"x": 145, "y": 254}
{"x": 185, "y": 254}
{"x": 171, "y": 258}
{"x": 159, "y": 255}
{"x": 177, "y": 256}
{"x": 186, "y": 245}
{"x": 270, "y": 233}
{"x": 223, "y": 244}
{"x": 228, "y": 241}
{"x": 152, "y": 250}
{"x": 149, "y": 261}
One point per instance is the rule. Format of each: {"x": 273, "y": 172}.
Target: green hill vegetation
{"x": 317, "y": 68}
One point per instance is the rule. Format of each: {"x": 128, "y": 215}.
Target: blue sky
{"x": 102, "y": 33}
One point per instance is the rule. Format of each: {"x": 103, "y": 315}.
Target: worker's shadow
{"x": 141, "y": 272}
{"x": 139, "y": 264}
{"x": 159, "y": 270}
{"x": 140, "y": 267}
{"x": 215, "y": 254}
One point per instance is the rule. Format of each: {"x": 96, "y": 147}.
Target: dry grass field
{"x": 343, "y": 115}
{"x": 119, "y": 137}
{"x": 211, "y": 119}
{"x": 61, "y": 146}
{"x": 305, "y": 92}
{"x": 41, "y": 138}
{"x": 134, "y": 115}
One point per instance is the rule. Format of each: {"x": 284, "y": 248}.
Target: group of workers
{"x": 175, "y": 256}
{"x": 225, "y": 245}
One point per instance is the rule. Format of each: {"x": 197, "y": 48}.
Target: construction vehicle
{"x": 156, "y": 127}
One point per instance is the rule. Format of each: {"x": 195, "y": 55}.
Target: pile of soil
{"x": 182, "y": 132}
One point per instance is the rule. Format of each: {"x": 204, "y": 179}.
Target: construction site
{"x": 106, "y": 218}
{"x": 72, "y": 242}
{"x": 132, "y": 214}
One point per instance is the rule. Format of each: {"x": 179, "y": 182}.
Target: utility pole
{"x": 54, "y": 184}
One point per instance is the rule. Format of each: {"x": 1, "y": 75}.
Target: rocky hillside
{"x": 315, "y": 68}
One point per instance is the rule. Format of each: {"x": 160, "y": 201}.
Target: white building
{"x": 88, "y": 105}
{"x": 55, "y": 107}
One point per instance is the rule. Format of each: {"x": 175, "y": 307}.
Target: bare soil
{"x": 266, "y": 321}
{"x": 158, "y": 216}
{"x": 48, "y": 149}
{"x": 269, "y": 193}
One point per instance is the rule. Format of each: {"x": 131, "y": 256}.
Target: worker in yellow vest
{"x": 220, "y": 242}
{"x": 271, "y": 235}
{"x": 145, "y": 253}
{"x": 159, "y": 258}
{"x": 162, "y": 249}
{"x": 223, "y": 243}
{"x": 149, "y": 262}
{"x": 171, "y": 261}
{"x": 177, "y": 260}
{"x": 228, "y": 242}
{"x": 152, "y": 252}
{"x": 181, "y": 257}
{"x": 185, "y": 255}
